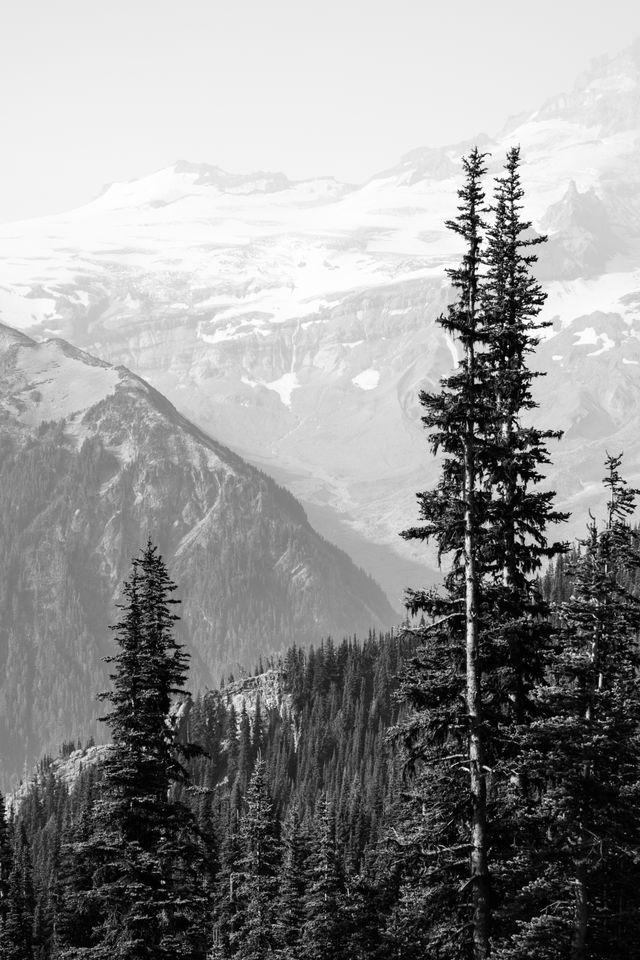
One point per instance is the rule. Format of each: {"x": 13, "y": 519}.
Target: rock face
{"x": 268, "y": 688}
{"x": 65, "y": 768}
{"x": 93, "y": 461}
{"x": 296, "y": 321}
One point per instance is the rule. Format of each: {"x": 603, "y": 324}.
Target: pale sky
{"x": 92, "y": 92}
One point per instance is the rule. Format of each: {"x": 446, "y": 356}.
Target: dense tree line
{"x": 283, "y": 811}
{"x": 465, "y": 787}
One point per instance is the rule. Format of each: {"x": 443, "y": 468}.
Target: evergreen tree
{"x": 323, "y": 935}
{"x": 6, "y": 863}
{"x": 257, "y": 877}
{"x": 458, "y": 418}
{"x": 365, "y": 920}
{"x": 519, "y": 512}
{"x": 144, "y": 848}
{"x": 483, "y": 649}
{"x": 582, "y": 756}
{"x": 228, "y": 908}
{"x": 17, "y": 934}
{"x": 516, "y": 626}
{"x": 291, "y": 894}
{"x": 77, "y": 909}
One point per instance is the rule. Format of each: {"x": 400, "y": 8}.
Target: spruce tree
{"x": 458, "y": 419}
{"x": 323, "y": 931}
{"x": 17, "y": 933}
{"x": 6, "y": 863}
{"x": 582, "y": 756}
{"x": 516, "y": 625}
{"x": 483, "y": 649}
{"x": 77, "y": 907}
{"x": 291, "y": 892}
{"x": 519, "y": 513}
{"x": 144, "y": 848}
{"x": 257, "y": 875}
{"x": 227, "y": 914}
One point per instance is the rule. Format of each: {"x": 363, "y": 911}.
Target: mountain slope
{"x": 296, "y": 321}
{"x": 93, "y": 461}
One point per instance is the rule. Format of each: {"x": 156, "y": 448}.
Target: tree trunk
{"x": 579, "y": 939}
{"x": 509, "y": 580}
{"x": 478, "y": 865}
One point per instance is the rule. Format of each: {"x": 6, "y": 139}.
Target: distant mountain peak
{"x": 577, "y": 208}
{"x": 185, "y": 179}
{"x": 432, "y": 163}
{"x": 205, "y": 174}
{"x": 606, "y": 96}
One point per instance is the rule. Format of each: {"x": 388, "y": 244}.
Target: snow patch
{"x": 452, "y": 350}
{"x": 228, "y": 331}
{"x": 586, "y": 337}
{"x": 25, "y": 312}
{"x": 367, "y": 380}
{"x": 608, "y": 293}
{"x": 284, "y": 387}
{"x": 589, "y": 338}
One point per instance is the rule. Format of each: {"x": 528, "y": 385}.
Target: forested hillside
{"x": 316, "y": 769}
{"x": 301, "y": 796}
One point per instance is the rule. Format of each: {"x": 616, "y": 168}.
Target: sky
{"x": 93, "y": 92}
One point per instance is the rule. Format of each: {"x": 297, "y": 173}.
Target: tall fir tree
{"x": 323, "y": 931}
{"x": 257, "y": 875}
{"x": 516, "y": 625}
{"x": 483, "y": 649}
{"x": 292, "y": 889}
{"x": 448, "y": 672}
{"x": 144, "y": 848}
{"x": 519, "y": 513}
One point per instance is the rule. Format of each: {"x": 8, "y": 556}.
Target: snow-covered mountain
{"x": 296, "y": 321}
{"x": 93, "y": 461}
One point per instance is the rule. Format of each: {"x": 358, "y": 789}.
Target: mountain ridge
{"x": 80, "y": 493}
{"x": 298, "y": 326}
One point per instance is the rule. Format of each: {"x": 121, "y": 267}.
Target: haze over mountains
{"x": 295, "y": 322}
{"x": 93, "y": 461}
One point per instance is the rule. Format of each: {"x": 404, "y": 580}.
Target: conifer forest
{"x": 463, "y": 786}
